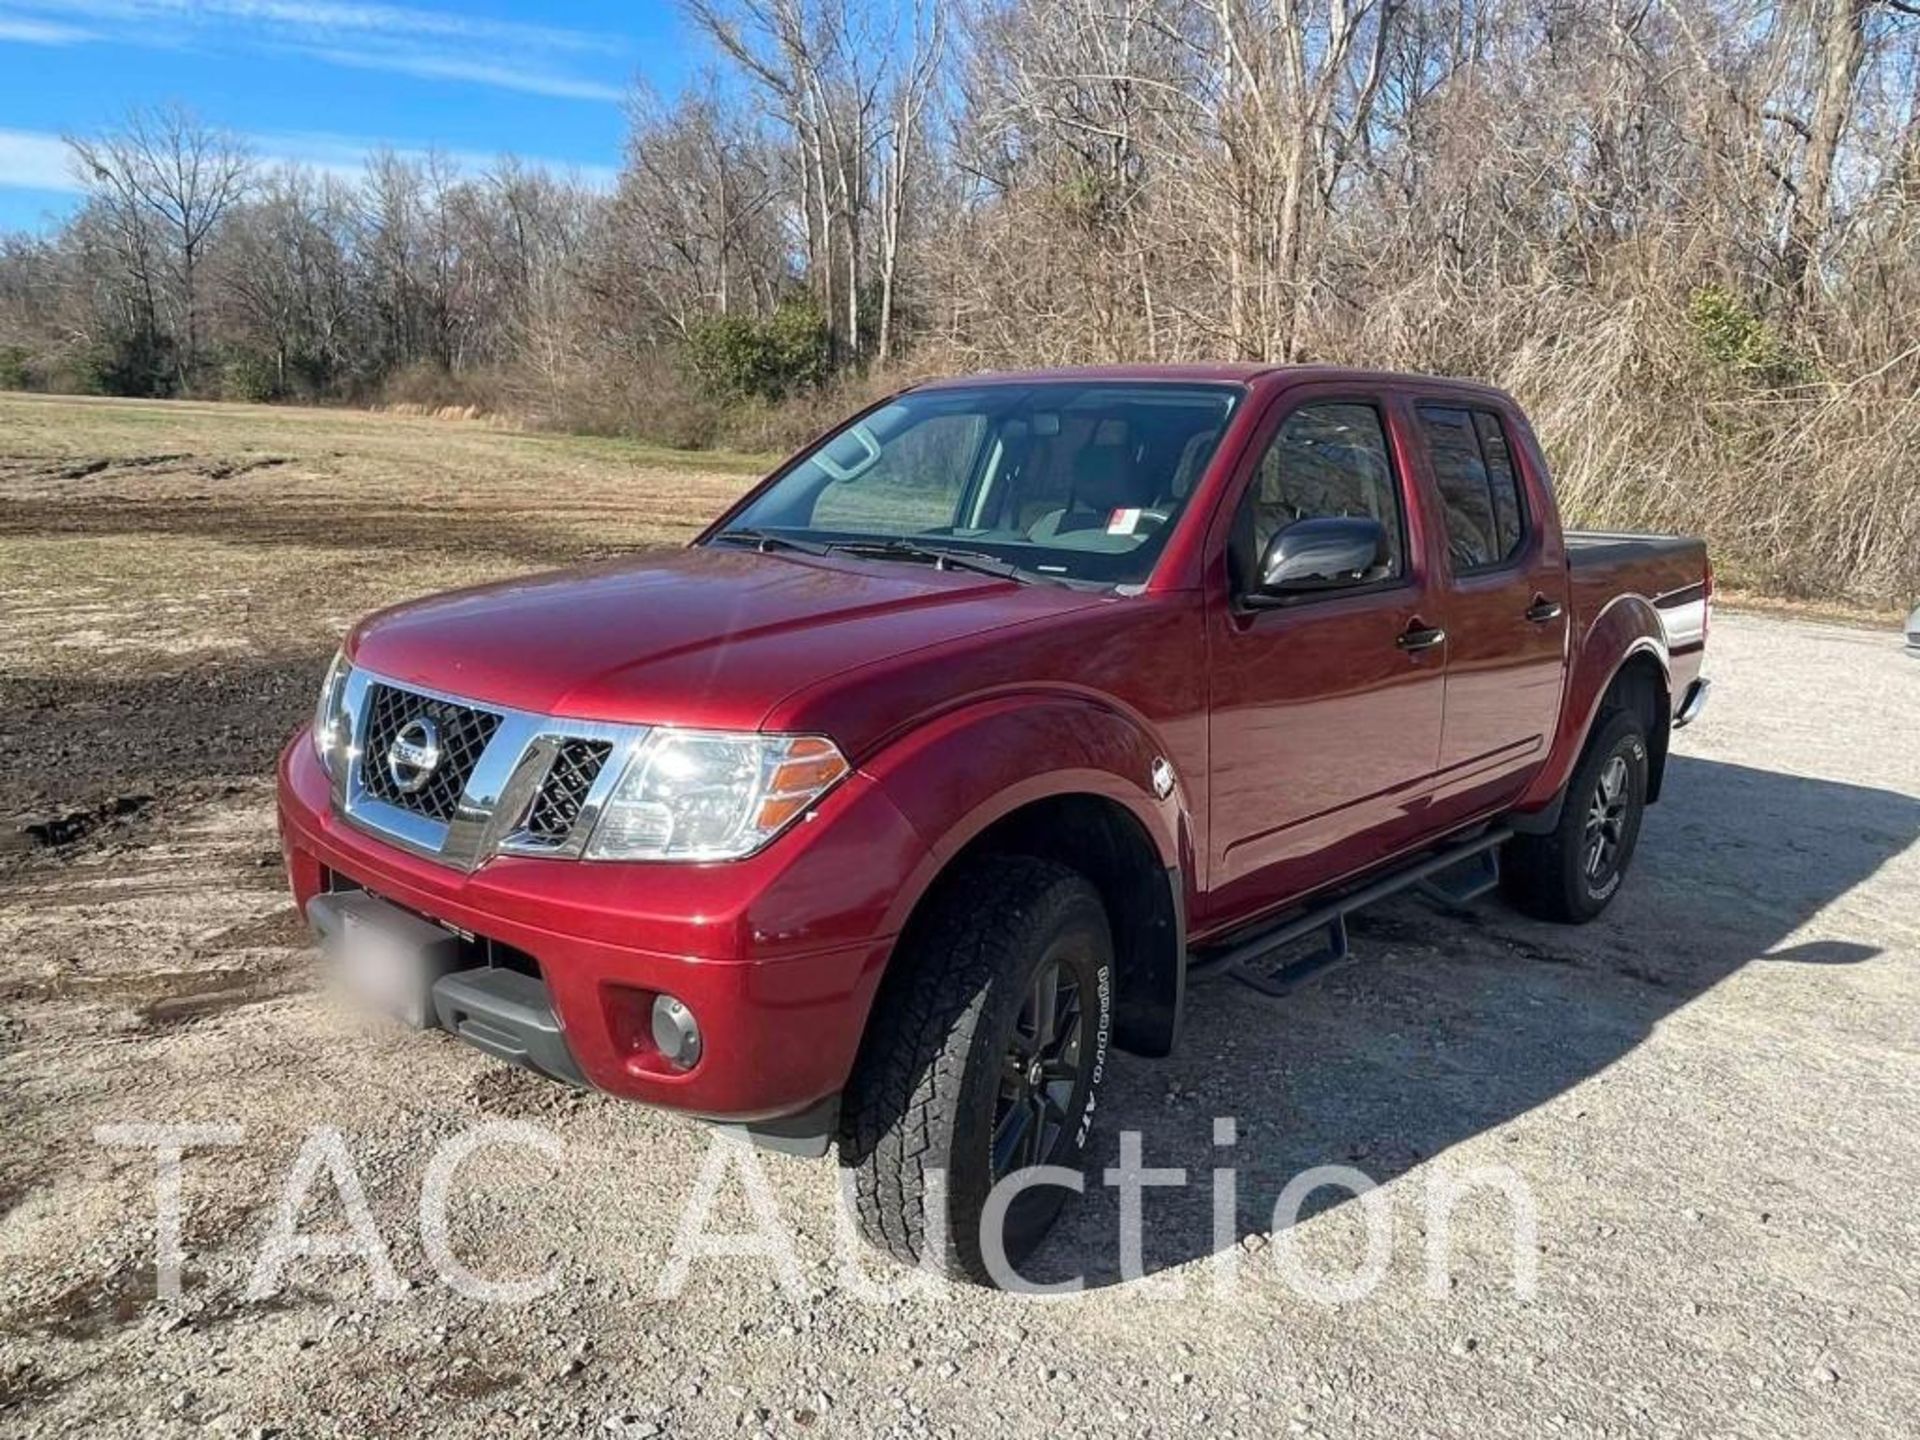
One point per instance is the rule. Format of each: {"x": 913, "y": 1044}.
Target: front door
{"x": 1325, "y": 714}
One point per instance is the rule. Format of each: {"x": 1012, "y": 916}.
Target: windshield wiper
{"x": 938, "y": 556}
{"x": 763, "y": 541}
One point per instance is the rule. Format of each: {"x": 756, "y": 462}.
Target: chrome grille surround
{"x": 532, "y": 788}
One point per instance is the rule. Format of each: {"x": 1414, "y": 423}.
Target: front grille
{"x": 463, "y": 733}
{"x": 576, "y": 765}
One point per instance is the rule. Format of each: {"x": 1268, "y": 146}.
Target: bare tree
{"x": 120, "y": 247}
{"x": 903, "y": 150}
{"x": 822, "y": 67}
{"x": 1288, "y": 102}
{"x": 694, "y": 226}
{"x": 281, "y": 270}
{"x": 1840, "y": 46}
{"x": 184, "y": 176}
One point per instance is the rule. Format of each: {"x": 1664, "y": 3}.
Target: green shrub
{"x": 1732, "y": 334}
{"x": 1089, "y": 201}
{"x": 735, "y": 357}
{"x": 137, "y": 364}
{"x": 13, "y": 367}
{"x": 249, "y": 375}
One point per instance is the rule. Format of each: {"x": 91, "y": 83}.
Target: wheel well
{"x": 1641, "y": 685}
{"x": 1104, "y": 842}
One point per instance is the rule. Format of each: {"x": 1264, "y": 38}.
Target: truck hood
{"x": 698, "y": 637}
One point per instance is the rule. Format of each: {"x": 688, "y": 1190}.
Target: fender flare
{"x": 956, "y": 776}
{"x": 1626, "y": 628}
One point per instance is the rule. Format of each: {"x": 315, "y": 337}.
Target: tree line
{"x": 1685, "y": 232}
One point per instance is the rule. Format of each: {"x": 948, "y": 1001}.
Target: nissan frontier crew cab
{"x": 929, "y": 775}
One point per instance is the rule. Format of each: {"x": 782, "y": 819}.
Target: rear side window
{"x": 1473, "y": 467}
{"x": 1509, "y": 526}
{"x": 1326, "y": 460}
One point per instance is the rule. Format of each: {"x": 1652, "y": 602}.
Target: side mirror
{"x": 1327, "y": 553}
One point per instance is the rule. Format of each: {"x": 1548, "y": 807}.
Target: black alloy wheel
{"x": 1043, "y": 1070}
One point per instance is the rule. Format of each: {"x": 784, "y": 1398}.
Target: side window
{"x": 1509, "y": 528}
{"x": 1473, "y": 469}
{"x": 1326, "y": 460}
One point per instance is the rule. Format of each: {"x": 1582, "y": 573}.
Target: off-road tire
{"x": 1547, "y": 876}
{"x": 918, "y": 1115}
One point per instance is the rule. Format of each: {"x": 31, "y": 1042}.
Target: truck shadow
{"x": 1453, "y": 1024}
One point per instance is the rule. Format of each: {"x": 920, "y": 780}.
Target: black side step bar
{"x": 1453, "y": 875}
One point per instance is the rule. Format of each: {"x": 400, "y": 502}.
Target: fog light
{"x": 676, "y": 1034}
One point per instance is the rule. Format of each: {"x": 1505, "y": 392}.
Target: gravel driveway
{"x": 1706, "y": 1104}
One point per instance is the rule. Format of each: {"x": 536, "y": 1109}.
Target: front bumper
{"x": 778, "y": 955}
{"x": 504, "y": 1011}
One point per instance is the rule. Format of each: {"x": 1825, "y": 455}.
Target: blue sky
{"x": 323, "y": 81}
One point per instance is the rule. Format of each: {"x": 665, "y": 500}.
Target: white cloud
{"x": 22, "y": 30}
{"x": 346, "y": 156}
{"x": 479, "y": 72}
{"x": 430, "y": 44}
{"x": 36, "y": 160}
{"x": 32, "y": 160}
{"x": 326, "y": 17}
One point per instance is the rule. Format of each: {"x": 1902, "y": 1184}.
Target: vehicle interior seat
{"x": 1105, "y": 480}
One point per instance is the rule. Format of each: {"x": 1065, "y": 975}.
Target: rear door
{"x": 1504, "y": 605}
{"x": 1325, "y": 712}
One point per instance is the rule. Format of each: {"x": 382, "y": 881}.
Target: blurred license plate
{"x": 388, "y": 959}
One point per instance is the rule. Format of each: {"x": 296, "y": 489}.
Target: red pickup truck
{"x": 937, "y": 767}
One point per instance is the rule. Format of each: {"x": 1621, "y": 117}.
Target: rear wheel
{"x": 1572, "y": 873}
{"x": 986, "y": 1050}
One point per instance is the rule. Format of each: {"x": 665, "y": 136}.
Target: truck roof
{"x": 1237, "y": 372}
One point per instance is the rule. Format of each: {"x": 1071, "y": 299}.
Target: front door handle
{"x": 1543, "y": 610}
{"x": 1421, "y": 637}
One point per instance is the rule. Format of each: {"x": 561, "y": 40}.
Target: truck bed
{"x": 1606, "y": 563}
{"x": 1668, "y": 571}
{"x": 1594, "y": 547}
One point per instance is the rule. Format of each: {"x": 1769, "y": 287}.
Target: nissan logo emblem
{"x": 412, "y": 756}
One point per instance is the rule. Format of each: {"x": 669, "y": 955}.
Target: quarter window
{"x": 1326, "y": 460}
{"x": 1473, "y": 468}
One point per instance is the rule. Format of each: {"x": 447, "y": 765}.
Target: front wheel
{"x": 1572, "y": 873}
{"x": 983, "y": 1059}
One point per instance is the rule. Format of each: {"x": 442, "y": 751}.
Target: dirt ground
{"x": 1708, "y": 1099}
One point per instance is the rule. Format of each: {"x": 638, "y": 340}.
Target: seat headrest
{"x": 1188, "y": 470}
{"x": 1104, "y": 479}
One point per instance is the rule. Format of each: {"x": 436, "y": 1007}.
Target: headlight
{"x": 702, "y": 795}
{"x": 332, "y": 730}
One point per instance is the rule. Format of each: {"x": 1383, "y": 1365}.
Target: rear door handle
{"x": 1421, "y": 637}
{"x": 1542, "y": 610}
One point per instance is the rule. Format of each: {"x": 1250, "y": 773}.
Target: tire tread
{"x": 903, "y": 1102}
{"x": 1537, "y": 871}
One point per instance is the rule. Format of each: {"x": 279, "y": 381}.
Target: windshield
{"x": 1077, "y": 481}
